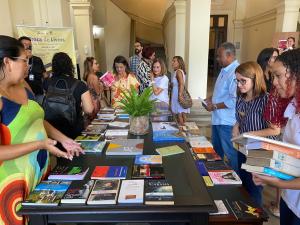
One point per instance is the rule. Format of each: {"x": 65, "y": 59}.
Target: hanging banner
{"x": 47, "y": 41}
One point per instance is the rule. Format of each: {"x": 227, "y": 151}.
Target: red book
{"x": 109, "y": 172}
{"x": 108, "y": 79}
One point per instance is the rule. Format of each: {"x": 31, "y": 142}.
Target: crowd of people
{"x": 260, "y": 98}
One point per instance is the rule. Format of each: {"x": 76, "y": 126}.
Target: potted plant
{"x": 139, "y": 108}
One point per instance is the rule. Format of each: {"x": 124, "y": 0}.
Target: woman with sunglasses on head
{"x": 24, "y": 142}
{"x": 286, "y": 79}
{"x": 251, "y": 101}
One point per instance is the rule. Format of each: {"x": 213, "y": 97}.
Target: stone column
{"x": 287, "y": 16}
{"x": 196, "y": 46}
{"x": 83, "y": 29}
{"x": 6, "y": 25}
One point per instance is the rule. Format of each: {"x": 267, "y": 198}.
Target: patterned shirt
{"x": 134, "y": 61}
{"x": 143, "y": 71}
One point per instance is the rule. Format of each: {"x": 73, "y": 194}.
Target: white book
{"x": 116, "y": 132}
{"x": 164, "y": 126}
{"x": 132, "y": 191}
{"x": 286, "y": 158}
{"x": 285, "y": 168}
{"x": 118, "y": 124}
{"x": 201, "y": 144}
{"x": 125, "y": 147}
{"x": 104, "y": 116}
{"x": 221, "y": 208}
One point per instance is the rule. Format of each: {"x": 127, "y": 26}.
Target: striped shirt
{"x": 249, "y": 114}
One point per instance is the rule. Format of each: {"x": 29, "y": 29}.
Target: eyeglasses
{"x": 25, "y": 60}
{"x": 241, "y": 81}
{"x": 28, "y": 47}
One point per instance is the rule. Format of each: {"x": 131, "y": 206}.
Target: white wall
{"x": 5, "y": 28}
{"x": 149, "y": 33}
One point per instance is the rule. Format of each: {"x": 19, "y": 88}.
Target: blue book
{"x": 168, "y": 136}
{"x": 275, "y": 173}
{"x": 201, "y": 168}
{"x": 148, "y": 159}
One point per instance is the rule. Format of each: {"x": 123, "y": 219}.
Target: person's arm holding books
{"x": 272, "y": 130}
{"x": 275, "y": 182}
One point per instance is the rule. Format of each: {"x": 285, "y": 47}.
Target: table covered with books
{"x": 128, "y": 184}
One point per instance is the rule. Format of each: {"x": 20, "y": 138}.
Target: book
{"x": 255, "y": 161}
{"x": 162, "y": 137}
{"x": 200, "y": 144}
{"x": 108, "y": 79}
{"x": 244, "y": 210}
{"x": 106, "y": 116}
{"x": 224, "y": 177}
{"x": 125, "y": 147}
{"x": 61, "y": 172}
{"x": 118, "y": 124}
{"x": 92, "y": 146}
{"x": 204, "y": 173}
{"x": 191, "y": 129}
{"x": 212, "y": 157}
{"x": 285, "y": 168}
{"x": 199, "y": 150}
{"x": 282, "y": 44}
{"x": 267, "y": 171}
{"x": 78, "y": 192}
{"x": 169, "y": 150}
{"x": 260, "y": 153}
{"x": 148, "y": 159}
{"x": 131, "y": 191}
{"x": 100, "y": 122}
{"x": 268, "y": 144}
{"x": 116, "y": 133}
{"x": 148, "y": 171}
{"x": 109, "y": 172}
{"x": 222, "y": 210}
{"x": 216, "y": 166}
{"x": 104, "y": 192}
{"x": 122, "y": 115}
{"x": 107, "y": 110}
{"x": 88, "y": 137}
{"x": 158, "y": 192}
{"x": 95, "y": 129}
{"x": 164, "y": 126}
{"x": 47, "y": 193}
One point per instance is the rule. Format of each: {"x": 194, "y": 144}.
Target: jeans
{"x": 287, "y": 217}
{"x": 221, "y": 141}
{"x": 255, "y": 191}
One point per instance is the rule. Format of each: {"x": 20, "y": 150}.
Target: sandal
{"x": 274, "y": 210}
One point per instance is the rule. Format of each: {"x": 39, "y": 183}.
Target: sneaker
{"x": 274, "y": 210}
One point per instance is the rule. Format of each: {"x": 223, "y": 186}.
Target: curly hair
{"x": 62, "y": 64}
{"x": 180, "y": 62}
{"x": 276, "y": 105}
{"x": 88, "y": 67}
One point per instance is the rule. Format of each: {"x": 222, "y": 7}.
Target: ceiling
{"x": 150, "y": 10}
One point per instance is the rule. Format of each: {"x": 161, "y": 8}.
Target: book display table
{"x": 192, "y": 200}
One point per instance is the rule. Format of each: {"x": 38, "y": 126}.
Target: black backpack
{"x": 59, "y": 103}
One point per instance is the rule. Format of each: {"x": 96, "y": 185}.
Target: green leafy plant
{"x": 135, "y": 104}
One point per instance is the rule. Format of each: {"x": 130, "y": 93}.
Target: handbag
{"x": 186, "y": 101}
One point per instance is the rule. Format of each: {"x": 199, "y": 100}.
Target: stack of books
{"x": 166, "y": 132}
{"x": 202, "y": 149}
{"x": 269, "y": 157}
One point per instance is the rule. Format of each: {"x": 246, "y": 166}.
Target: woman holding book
{"x": 91, "y": 67}
{"x": 160, "y": 84}
{"x": 251, "y": 101}
{"x": 178, "y": 82}
{"x": 286, "y": 79}
{"x": 124, "y": 80}
{"x": 24, "y": 142}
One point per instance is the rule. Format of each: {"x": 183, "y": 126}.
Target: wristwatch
{"x": 215, "y": 106}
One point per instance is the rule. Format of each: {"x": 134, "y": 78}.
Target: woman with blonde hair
{"x": 160, "y": 84}
{"x": 91, "y": 67}
{"x": 252, "y": 98}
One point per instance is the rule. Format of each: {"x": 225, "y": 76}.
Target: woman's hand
{"x": 235, "y": 130}
{"x": 259, "y": 179}
{"x": 49, "y": 145}
{"x": 72, "y": 147}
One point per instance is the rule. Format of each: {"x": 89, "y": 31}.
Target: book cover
{"x": 148, "y": 171}
{"x": 222, "y": 210}
{"x": 92, "y": 146}
{"x": 199, "y": 150}
{"x": 118, "y": 124}
{"x": 224, "y": 177}
{"x": 125, "y": 147}
{"x": 213, "y": 157}
{"x": 282, "y": 44}
{"x": 109, "y": 172}
{"x": 200, "y": 144}
{"x": 158, "y": 192}
{"x": 169, "y": 150}
{"x": 256, "y": 161}
{"x": 267, "y": 171}
{"x": 216, "y": 166}
{"x": 104, "y": 192}
{"x": 191, "y": 129}
{"x": 204, "y": 173}
{"x": 47, "y": 193}
{"x": 88, "y": 137}
{"x": 110, "y": 133}
{"x": 100, "y": 122}
{"x": 244, "y": 210}
{"x": 108, "y": 79}
{"x": 286, "y": 158}
{"x": 164, "y": 126}
{"x": 268, "y": 144}
{"x": 61, "y": 172}
{"x": 261, "y": 154}
{"x": 161, "y": 137}
{"x": 107, "y": 110}
{"x": 285, "y": 168}
{"x": 148, "y": 159}
{"x": 95, "y": 129}
{"x": 78, "y": 192}
{"x": 131, "y": 191}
